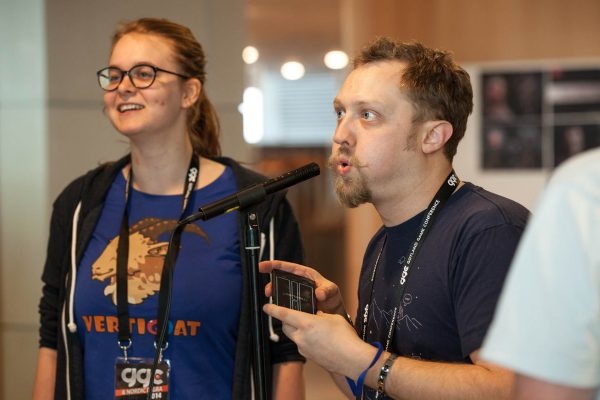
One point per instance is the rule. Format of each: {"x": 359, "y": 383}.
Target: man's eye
{"x": 368, "y": 115}
{"x": 340, "y": 114}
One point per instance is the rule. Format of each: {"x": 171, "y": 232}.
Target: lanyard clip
{"x": 124, "y": 347}
{"x": 160, "y": 350}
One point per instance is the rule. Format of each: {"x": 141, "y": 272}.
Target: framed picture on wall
{"x": 573, "y": 96}
{"x": 512, "y": 119}
{"x": 538, "y": 118}
{"x": 572, "y": 139}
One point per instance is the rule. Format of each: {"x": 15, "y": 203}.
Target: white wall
{"x": 23, "y": 188}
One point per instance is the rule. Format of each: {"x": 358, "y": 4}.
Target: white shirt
{"x": 547, "y": 323}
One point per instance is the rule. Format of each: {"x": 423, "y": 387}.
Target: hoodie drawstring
{"x": 72, "y": 325}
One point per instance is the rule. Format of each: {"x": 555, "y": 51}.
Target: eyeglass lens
{"x": 142, "y": 76}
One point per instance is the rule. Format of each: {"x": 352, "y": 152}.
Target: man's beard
{"x": 351, "y": 192}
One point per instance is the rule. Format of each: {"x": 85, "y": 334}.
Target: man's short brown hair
{"x": 437, "y": 86}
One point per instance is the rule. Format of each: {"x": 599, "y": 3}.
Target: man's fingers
{"x": 266, "y": 267}
{"x": 269, "y": 290}
{"x": 326, "y": 292}
{"x": 296, "y": 269}
{"x": 289, "y": 330}
{"x": 285, "y": 315}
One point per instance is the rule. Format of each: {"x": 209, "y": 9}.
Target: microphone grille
{"x": 292, "y": 177}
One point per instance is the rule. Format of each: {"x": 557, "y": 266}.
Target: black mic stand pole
{"x": 252, "y": 247}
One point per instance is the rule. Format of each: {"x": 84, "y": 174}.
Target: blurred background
{"x": 52, "y": 128}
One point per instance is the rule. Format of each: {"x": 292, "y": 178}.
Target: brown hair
{"x": 437, "y": 86}
{"x": 202, "y": 120}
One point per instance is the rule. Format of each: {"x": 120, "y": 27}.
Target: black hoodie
{"x": 75, "y": 214}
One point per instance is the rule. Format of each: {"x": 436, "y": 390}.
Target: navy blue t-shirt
{"x": 207, "y": 285}
{"x": 454, "y": 282}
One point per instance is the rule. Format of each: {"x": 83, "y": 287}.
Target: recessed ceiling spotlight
{"x": 250, "y": 54}
{"x": 292, "y": 70}
{"x": 336, "y": 59}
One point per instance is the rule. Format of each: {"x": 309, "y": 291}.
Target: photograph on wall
{"x": 538, "y": 119}
{"x": 574, "y": 98}
{"x": 512, "y": 120}
{"x": 572, "y": 139}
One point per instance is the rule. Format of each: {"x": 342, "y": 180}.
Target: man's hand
{"x": 326, "y": 339}
{"x": 329, "y": 298}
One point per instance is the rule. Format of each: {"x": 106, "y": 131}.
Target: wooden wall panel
{"x": 484, "y": 30}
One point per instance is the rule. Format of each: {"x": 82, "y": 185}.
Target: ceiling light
{"x": 336, "y": 59}
{"x": 250, "y": 54}
{"x": 292, "y": 70}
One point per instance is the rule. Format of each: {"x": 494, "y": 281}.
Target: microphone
{"x": 253, "y": 194}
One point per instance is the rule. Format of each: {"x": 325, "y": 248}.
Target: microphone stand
{"x": 252, "y": 247}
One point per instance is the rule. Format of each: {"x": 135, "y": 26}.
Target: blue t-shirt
{"x": 454, "y": 282}
{"x": 207, "y": 285}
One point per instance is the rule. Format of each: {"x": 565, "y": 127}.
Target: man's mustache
{"x": 346, "y": 153}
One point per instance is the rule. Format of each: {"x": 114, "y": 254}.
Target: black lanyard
{"x": 123, "y": 252}
{"x": 440, "y": 198}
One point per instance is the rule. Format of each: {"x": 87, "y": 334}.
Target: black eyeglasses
{"x": 141, "y": 76}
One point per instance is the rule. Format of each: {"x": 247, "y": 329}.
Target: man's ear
{"x": 191, "y": 92}
{"x": 436, "y": 135}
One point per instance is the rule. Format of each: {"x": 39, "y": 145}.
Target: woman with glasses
{"x": 105, "y": 295}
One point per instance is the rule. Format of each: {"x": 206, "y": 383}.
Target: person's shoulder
{"x": 589, "y": 159}
{"x": 584, "y": 168}
{"x": 377, "y": 238}
{"x": 243, "y": 174}
{"x": 576, "y": 182}
{"x": 95, "y": 178}
{"x": 477, "y": 204}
